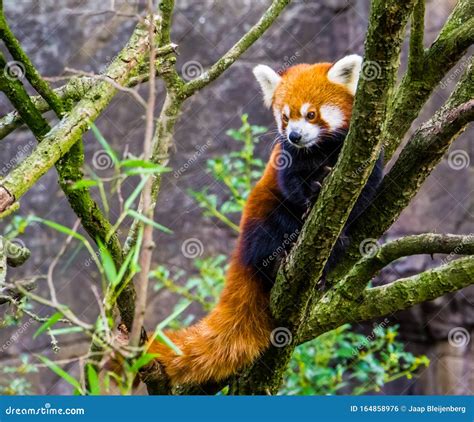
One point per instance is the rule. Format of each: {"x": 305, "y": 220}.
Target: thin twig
{"x": 147, "y": 243}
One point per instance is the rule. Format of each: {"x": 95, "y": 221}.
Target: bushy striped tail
{"x": 232, "y": 336}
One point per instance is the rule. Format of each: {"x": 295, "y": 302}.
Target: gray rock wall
{"x": 72, "y": 33}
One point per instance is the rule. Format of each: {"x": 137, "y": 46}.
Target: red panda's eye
{"x": 285, "y": 118}
{"x": 311, "y": 115}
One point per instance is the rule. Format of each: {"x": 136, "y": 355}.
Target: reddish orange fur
{"x": 308, "y": 83}
{"x": 238, "y": 329}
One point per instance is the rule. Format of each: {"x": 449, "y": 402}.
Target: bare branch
{"x": 146, "y": 196}
{"x": 238, "y": 49}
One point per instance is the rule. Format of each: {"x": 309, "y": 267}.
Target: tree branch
{"x": 238, "y": 49}
{"x": 417, "y": 28}
{"x": 69, "y": 94}
{"x": 354, "y": 283}
{"x": 66, "y": 133}
{"x": 423, "y": 152}
{"x": 33, "y": 76}
{"x": 17, "y": 95}
{"x": 415, "y": 88}
{"x": 334, "y": 310}
{"x": 146, "y": 195}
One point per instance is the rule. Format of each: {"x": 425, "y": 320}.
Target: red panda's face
{"x": 309, "y": 101}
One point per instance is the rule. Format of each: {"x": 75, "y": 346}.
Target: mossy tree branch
{"x": 69, "y": 166}
{"x": 335, "y": 310}
{"x": 69, "y": 94}
{"x": 417, "y": 29}
{"x": 65, "y": 134}
{"x": 424, "y": 150}
{"x": 427, "y": 69}
{"x": 354, "y": 283}
{"x": 33, "y": 76}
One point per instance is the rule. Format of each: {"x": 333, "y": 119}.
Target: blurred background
{"x": 85, "y": 35}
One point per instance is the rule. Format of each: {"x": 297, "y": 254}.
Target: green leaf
{"x": 85, "y": 183}
{"x": 61, "y": 373}
{"x": 143, "y": 360}
{"x": 135, "y": 193}
{"x": 163, "y": 338}
{"x": 53, "y": 319}
{"x": 149, "y": 221}
{"x": 107, "y": 263}
{"x": 66, "y": 330}
{"x": 143, "y": 171}
{"x": 60, "y": 228}
{"x": 103, "y": 142}
{"x": 173, "y": 316}
{"x": 93, "y": 378}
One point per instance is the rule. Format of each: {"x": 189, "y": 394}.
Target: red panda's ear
{"x": 346, "y": 72}
{"x": 268, "y": 80}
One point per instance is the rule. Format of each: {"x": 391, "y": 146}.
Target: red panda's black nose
{"x": 294, "y": 137}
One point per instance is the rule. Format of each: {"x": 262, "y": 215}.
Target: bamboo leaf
{"x": 61, "y": 373}
{"x": 53, "y": 319}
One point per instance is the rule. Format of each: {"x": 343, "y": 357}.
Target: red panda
{"x": 312, "y": 106}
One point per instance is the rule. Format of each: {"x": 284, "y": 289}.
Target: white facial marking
{"x": 286, "y": 110}
{"x": 332, "y": 115}
{"x": 304, "y": 109}
{"x": 309, "y": 132}
{"x": 277, "y": 115}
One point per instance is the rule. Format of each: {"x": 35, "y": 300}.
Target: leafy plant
{"x": 13, "y": 380}
{"x": 342, "y": 361}
{"x": 237, "y": 171}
